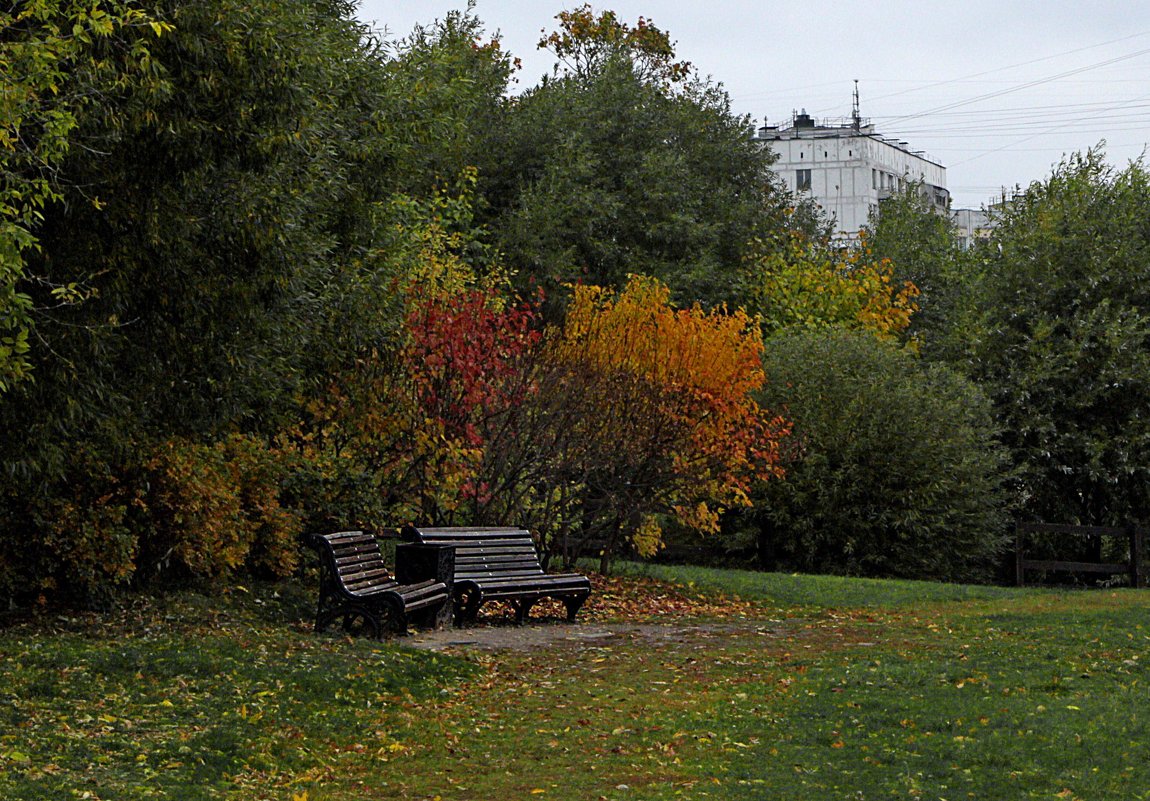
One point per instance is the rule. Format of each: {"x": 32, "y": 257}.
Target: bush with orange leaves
{"x": 647, "y": 412}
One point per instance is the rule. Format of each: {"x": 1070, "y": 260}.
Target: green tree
{"x": 625, "y": 163}
{"x": 196, "y": 218}
{"x": 1066, "y": 349}
{"x": 446, "y": 103}
{"x": 893, "y": 467}
{"x": 226, "y": 230}
{"x": 419, "y": 114}
{"x": 922, "y": 246}
{"x": 57, "y": 57}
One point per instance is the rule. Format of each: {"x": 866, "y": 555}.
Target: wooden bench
{"x": 355, "y": 585}
{"x": 500, "y": 564}
{"x": 1133, "y": 567}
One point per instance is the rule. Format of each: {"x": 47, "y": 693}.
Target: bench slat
{"x": 508, "y": 562}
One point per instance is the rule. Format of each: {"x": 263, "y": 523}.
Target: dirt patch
{"x": 621, "y": 609}
{"x": 502, "y": 637}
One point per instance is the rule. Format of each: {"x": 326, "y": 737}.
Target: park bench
{"x": 356, "y": 586}
{"x": 501, "y": 564}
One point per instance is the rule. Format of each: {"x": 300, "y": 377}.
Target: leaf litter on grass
{"x": 207, "y": 699}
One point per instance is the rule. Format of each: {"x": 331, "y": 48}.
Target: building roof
{"x": 803, "y": 126}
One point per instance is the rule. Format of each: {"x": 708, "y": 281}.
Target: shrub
{"x": 893, "y": 468}
{"x": 214, "y": 509}
{"x": 72, "y": 537}
{"x": 80, "y": 541}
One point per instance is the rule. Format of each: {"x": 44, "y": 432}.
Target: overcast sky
{"x": 997, "y": 92}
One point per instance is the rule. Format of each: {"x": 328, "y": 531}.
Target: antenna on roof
{"x": 856, "y": 116}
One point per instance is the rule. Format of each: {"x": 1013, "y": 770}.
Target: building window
{"x": 803, "y": 180}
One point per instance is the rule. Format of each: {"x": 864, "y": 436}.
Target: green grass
{"x": 209, "y": 699}
{"x": 818, "y": 591}
{"x": 1016, "y": 705}
{"x": 840, "y": 690}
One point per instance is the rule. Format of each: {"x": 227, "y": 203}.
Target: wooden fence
{"x": 1134, "y": 568}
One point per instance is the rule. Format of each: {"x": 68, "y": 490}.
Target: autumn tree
{"x": 587, "y": 44}
{"x": 630, "y": 413}
{"x": 647, "y": 412}
{"x": 418, "y": 425}
{"x": 796, "y": 282}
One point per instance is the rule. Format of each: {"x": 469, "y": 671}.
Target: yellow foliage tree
{"x": 813, "y": 285}
{"x": 665, "y": 421}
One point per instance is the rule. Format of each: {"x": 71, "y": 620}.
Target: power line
{"x": 1020, "y": 87}
{"x": 1013, "y": 66}
{"x": 1100, "y": 106}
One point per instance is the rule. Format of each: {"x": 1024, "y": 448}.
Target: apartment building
{"x": 847, "y": 168}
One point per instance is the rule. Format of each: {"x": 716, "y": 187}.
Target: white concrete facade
{"x": 847, "y": 168}
{"x": 971, "y": 225}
